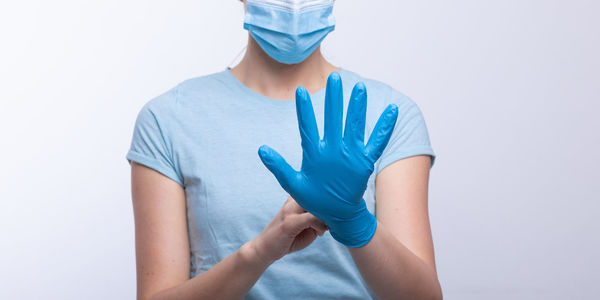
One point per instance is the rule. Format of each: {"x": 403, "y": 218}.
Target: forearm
{"x": 231, "y": 278}
{"x": 392, "y": 271}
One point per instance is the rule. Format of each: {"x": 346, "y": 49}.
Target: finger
{"x": 307, "y": 123}
{"x": 285, "y": 174}
{"x": 354, "y": 131}
{"x": 291, "y": 206}
{"x": 306, "y": 237}
{"x": 310, "y": 220}
{"x": 382, "y": 132}
{"x": 303, "y": 239}
{"x": 334, "y": 109}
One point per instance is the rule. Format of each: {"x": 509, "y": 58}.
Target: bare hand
{"x": 292, "y": 229}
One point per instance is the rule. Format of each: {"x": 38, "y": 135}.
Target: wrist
{"x": 355, "y": 232}
{"x": 250, "y": 253}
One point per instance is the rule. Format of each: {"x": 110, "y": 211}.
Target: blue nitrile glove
{"x": 335, "y": 170}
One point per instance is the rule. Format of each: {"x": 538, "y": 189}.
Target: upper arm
{"x": 401, "y": 193}
{"x": 161, "y": 239}
{"x": 402, "y": 179}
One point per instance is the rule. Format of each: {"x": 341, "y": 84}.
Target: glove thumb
{"x": 285, "y": 174}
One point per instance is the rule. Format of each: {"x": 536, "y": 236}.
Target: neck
{"x": 259, "y": 72}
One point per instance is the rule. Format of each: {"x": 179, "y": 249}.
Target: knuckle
{"x": 288, "y": 206}
{"x": 287, "y": 222}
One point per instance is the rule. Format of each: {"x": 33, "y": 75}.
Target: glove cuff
{"x": 355, "y": 232}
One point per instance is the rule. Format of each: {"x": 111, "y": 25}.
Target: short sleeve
{"x": 149, "y": 145}
{"x": 410, "y": 136}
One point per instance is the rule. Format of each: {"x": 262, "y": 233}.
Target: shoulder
{"x": 202, "y": 85}
{"x": 380, "y": 93}
{"x": 188, "y": 92}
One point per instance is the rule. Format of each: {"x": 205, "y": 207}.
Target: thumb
{"x": 285, "y": 174}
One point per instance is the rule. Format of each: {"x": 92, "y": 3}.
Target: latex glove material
{"x": 335, "y": 170}
{"x": 289, "y": 31}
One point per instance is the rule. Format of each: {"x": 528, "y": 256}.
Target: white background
{"x": 509, "y": 90}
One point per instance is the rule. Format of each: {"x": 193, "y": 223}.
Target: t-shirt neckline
{"x": 267, "y": 100}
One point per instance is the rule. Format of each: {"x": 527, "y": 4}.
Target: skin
{"x": 398, "y": 263}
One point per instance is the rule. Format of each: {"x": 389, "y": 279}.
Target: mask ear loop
{"x": 237, "y": 59}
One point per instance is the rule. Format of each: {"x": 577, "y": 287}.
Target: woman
{"x": 213, "y": 223}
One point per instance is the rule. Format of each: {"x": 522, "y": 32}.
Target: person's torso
{"x": 218, "y": 125}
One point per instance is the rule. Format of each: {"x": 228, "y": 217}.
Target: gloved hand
{"x": 335, "y": 170}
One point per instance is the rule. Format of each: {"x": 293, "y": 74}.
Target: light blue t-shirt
{"x": 205, "y": 133}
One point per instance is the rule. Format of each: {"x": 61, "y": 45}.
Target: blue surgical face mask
{"x": 289, "y": 31}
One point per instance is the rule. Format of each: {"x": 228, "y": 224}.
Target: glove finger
{"x": 334, "y": 110}
{"x": 307, "y": 123}
{"x": 354, "y": 131}
{"x": 381, "y": 133}
{"x": 284, "y": 173}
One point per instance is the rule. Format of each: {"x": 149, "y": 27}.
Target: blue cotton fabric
{"x": 204, "y": 134}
